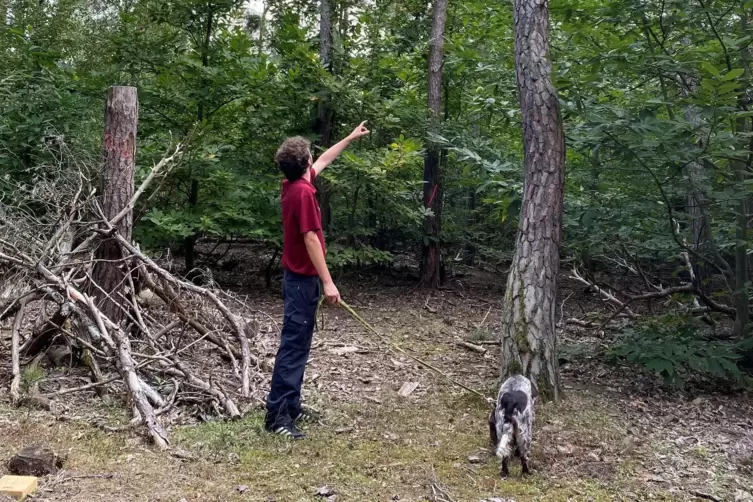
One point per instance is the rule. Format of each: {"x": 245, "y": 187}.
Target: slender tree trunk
{"x": 741, "y": 167}
{"x": 528, "y": 321}
{"x": 742, "y": 320}
{"x": 697, "y": 201}
{"x": 325, "y": 114}
{"x": 121, "y": 121}
{"x": 430, "y": 251}
{"x": 263, "y": 27}
{"x": 470, "y": 218}
{"x": 193, "y": 195}
{"x": 740, "y": 294}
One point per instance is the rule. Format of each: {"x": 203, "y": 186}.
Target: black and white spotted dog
{"x": 511, "y": 422}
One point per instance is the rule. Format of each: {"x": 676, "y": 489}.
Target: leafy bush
{"x": 341, "y": 256}
{"x": 674, "y": 347}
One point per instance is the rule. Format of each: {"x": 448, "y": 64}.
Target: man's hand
{"x": 331, "y": 292}
{"x": 330, "y": 155}
{"x": 359, "y": 131}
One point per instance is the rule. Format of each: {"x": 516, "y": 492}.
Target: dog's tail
{"x": 508, "y": 434}
{"x": 515, "y": 425}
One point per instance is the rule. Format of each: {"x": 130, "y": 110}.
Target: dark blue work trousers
{"x": 300, "y": 295}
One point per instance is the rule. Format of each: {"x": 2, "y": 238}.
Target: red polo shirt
{"x": 300, "y": 214}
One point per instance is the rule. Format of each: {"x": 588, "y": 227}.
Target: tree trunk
{"x": 470, "y": 218}
{"x": 263, "y": 26}
{"x": 528, "y": 321}
{"x": 325, "y": 114}
{"x": 741, "y": 166}
{"x": 740, "y": 294}
{"x": 121, "y": 121}
{"x": 190, "y": 241}
{"x": 193, "y": 195}
{"x": 430, "y": 253}
{"x": 697, "y": 203}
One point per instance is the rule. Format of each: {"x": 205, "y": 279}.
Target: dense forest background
{"x": 558, "y": 188}
{"x": 654, "y": 96}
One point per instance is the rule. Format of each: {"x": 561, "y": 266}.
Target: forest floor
{"x": 616, "y": 435}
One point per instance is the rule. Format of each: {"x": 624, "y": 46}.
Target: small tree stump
{"x": 35, "y": 460}
{"x": 121, "y": 124}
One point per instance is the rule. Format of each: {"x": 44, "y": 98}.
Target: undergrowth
{"x": 679, "y": 347}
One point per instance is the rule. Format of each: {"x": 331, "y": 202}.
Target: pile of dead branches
{"x": 159, "y": 340}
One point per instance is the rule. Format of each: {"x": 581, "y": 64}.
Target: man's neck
{"x": 307, "y": 175}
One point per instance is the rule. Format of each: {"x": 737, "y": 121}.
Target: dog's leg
{"x": 493, "y": 431}
{"x": 524, "y": 465}
{"x": 505, "y": 469}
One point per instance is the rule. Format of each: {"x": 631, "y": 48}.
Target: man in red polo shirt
{"x": 304, "y": 266}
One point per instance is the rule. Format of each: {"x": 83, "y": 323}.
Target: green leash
{"x": 397, "y": 348}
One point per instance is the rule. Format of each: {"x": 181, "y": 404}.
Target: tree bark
{"x": 528, "y": 319}
{"x": 430, "y": 250}
{"x": 325, "y": 114}
{"x": 121, "y": 122}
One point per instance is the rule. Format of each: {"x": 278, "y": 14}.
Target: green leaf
{"x": 733, "y": 74}
{"x": 709, "y": 68}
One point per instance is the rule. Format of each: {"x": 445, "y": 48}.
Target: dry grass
{"x": 365, "y": 452}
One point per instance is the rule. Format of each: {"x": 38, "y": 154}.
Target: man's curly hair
{"x": 293, "y": 157}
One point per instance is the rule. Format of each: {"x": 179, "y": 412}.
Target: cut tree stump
{"x": 35, "y": 460}
{"x": 17, "y": 487}
{"x": 121, "y": 124}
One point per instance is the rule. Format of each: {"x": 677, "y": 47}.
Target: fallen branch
{"x": 166, "y": 161}
{"x": 128, "y": 372}
{"x": 603, "y": 293}
{"x": 42, "y": 338}
{"x": 470, "y": 346}
{"x": 705, "y": 496}
{"x": 15, "y": 386}
{"x": 237, "y": 323}
{"x": 148, "y": 340}
{"x": 579, "y": 322}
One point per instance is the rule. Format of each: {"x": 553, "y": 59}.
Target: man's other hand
{"x": 331, "y": 293}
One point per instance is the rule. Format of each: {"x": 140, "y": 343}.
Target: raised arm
{"x": 330, "y": 155}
